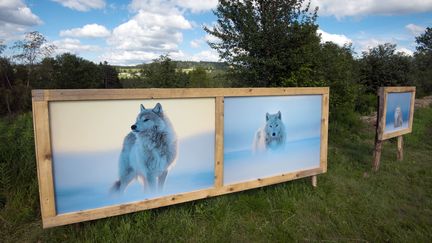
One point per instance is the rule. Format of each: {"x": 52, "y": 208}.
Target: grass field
{"x": 351, "y": 203}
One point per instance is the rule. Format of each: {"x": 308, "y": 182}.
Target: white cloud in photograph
{"x": 87, "y": 31}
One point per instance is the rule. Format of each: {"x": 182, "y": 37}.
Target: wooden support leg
{"x": 314, "y": 181}
{"x": 399, "y": 148}
{"x": 377, "y": 154}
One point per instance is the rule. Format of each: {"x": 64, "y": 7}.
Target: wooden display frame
{"x": 381, "y": 123}
{"x": 383, "y": 94}
{"x": 41, "y": 119}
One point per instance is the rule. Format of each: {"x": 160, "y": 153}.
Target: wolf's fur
{"x": 272, "y": 135}
{"x": 149, "y": 150}
{"x": 398, "y": 117}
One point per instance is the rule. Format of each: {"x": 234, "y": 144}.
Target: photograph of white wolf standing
{"x": 149, "y": 150}
{"x": 269, "y": 136}
{"x": 120, "y": 151}
{"x": 398, "y": 111}
{"x": 272, "y": 135}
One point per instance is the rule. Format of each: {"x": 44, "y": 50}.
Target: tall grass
{"x": 351, "y": 203}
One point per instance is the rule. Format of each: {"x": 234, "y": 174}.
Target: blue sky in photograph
{"x": 403, "y": 100}
{"x": 137, "y": 31}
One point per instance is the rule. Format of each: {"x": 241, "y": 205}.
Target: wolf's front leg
{"x": 151, "y": 181}
{"x": 161, "y": 180}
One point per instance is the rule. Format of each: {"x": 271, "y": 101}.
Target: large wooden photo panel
{"x": 396, "y": 111}
{"x": 102, "y": 153}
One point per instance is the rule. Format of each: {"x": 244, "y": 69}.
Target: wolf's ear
{"x": 279, "y": 115}
{"x": 267, "y": 116}
{"x": 142, "y": 107}
{"x": 157, "y": 109}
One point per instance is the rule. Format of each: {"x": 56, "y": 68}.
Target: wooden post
{"x": 377, "y": 154}
{"x": 379, "y": 128}
{"x": 314, "y": 181}
{"x": 399, "y": 148}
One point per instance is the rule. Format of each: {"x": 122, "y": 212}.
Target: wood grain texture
{"x": 43, "y": 158}
{"x": 379, "y": 129}
{"x": 324, "y": 131}
{"x": 314, "y": 181}
{"x": 130, "y": 94}
{"x": 219, "y": 143}
{"x": 400, "y": 148}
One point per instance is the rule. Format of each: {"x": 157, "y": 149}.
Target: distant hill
{"x": 183, "y": 65}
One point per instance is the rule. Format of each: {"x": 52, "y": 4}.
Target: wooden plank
{"x": 43, "y": 158}
{"x": 219, "y": 152}
{"x": 380, "y": 123}
{"x": 128, "y": 94}
{"x": 86, "y": 215}
{"x": 314, "y": 181}
{"x": 400, "y": 148}
{"x": 399, "y": 89}
{"x": 324, "y": 132}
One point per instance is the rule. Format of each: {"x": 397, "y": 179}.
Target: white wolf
{"x": 272, "y": 135}
{"x": 398, "y": 117}
{"x": 149, "y": 150}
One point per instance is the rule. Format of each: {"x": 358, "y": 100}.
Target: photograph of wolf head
{"x": 149, "y": 151}
{"x": 398, "y": 117}
{"x": 272, "y": 135}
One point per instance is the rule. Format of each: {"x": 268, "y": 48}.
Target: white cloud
{"x": 415, "y": 29}
{"x": 369, "y": 7}
{"x": 335, "y": 38}
{"x": 405, "y": 51}
{"x": 366, "y": 44}
{"x": 197, "y": 6}
{"x": 208, "y": 55}
{"x": 128, "y": 57}
{"x": 82, "y": 5}
{"x": 88, "y": 30}
{"x": 73, "y": 46}
{"x": 195, "y": 43}
{"x": 160, "y": 5}
{"x": 15, "y": 18}
{"x": 154, "y": 30}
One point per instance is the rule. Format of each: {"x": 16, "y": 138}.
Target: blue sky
{"x": 137, "y": 31}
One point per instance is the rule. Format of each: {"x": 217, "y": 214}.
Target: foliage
{"x": 109, "y": 76}
{"x": 265, "y": 41}
{"x": 383, "y": 66}
{"x": 31, "y": 50}
{"x": 198, "y": 78}
{"x": 423, "y": 63}
{"x": 162, "y": 73}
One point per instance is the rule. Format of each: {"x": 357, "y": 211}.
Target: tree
{"x": 338, "y": 70}
{"x": 265, "y": 41}
{"x": 162, "y": 73}
{"x": 424, "y": 41}
{"x": 72, "y": 72}
{"x": 422, "y": 73}
{"x": 31, "y": 50}
{"x": 383, "y": 66}
{"x": 198, "y": 78}
{"x": 109, "y": 75}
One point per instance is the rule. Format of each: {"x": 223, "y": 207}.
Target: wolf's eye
{"x": 145, "y": 120}
{"x": 271, "y": 126}
{"x": 277, "y": 125}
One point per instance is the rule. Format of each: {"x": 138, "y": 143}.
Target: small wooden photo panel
{"x": 396, "y": 111}
{"x": 102, "y": 153}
